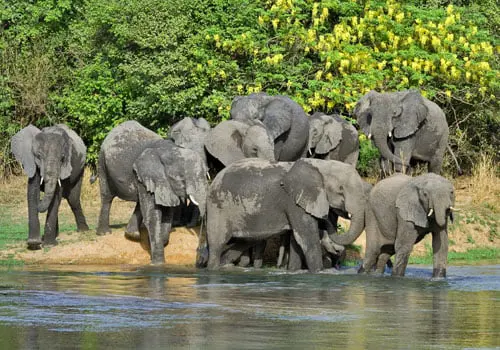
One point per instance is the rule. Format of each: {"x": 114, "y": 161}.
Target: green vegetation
{"x": 95, "y": 63}
{"x": 456, "y": 258}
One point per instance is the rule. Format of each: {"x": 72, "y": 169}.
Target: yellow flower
{"x": 261, "y": 20}
{"x": 449, "y": 9}
{"x": 275, "y": 23}
{"x": 448, "y": 93}
{"x": 318, "y": 75}
{"x": 329, "y": 77}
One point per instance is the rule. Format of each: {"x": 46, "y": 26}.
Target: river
{"x": 130, "y": 307}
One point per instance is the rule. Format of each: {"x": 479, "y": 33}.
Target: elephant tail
{"x": 459, "y": 170}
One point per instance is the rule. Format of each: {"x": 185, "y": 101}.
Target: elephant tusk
{"x": 390, "y": 134}
{"x": 208, "y": 176}
{"x": 194, "y": 202}
{"x": 349, "y": 215}
{"x": 430, "y": 212}
{"x": 41, "y": 181}
{"x": 369, "y": 136}
{"x": 454, "y": 209}
{"x": 59, "y": 182}
{"x": 310, "y": 152}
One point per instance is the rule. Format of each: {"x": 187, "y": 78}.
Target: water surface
{"x": 151, "y": 308}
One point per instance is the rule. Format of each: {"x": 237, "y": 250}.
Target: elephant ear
{"x": 202, "y": 123}
{"x": 225, "y": 141}
{"x": 304, "y": 183}
{"x": 277, "y": 118}
{"x": 76, "y": 148}
{"x": 411, "y": 112}
{"x": 409, "y": 206}
{"x": 21, "y": 146}
{"x": 150, "y": 172}
{"x": 332, "y": 135}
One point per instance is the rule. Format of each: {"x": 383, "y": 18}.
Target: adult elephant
{"x": 405, "y": 127}
{"x": 284, "y": 119}
{"x": 54, "y": 160}
{"x": 253, "y": 200}
{"x": 166, "y": 175}
{"x": 401, "y": 211}
{"x": 331, "y": 137}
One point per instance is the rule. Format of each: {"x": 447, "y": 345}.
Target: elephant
{"x": 190, "y": 133}
{"x": 54, "y": 160}
{"x": 254, "y": 199}
{"x": 405, "y": 127}
{"x": 284, "y": 119}
{"x": 401, "y": 210}
{"x": 232, "y": 140}
{"x": 167, "y": 175}
{"x": 331, "y": 137}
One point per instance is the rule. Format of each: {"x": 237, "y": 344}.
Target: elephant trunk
{"x": 380, "y": 139}
{"x": 51, "y": 176}
{"x": 50, "y": 189}
{"x": 357, "y": 226}
{"x": 440, "y": 215}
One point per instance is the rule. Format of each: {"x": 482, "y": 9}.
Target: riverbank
{"x": 473, "y": 237}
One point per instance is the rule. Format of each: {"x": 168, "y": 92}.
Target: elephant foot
{"x": 82, "y": 228}
{"x": 34, "y": 244}
{"x": 201, "y": 257}
{"x": 51, "y": 243}
{"x": 100, "y": 232}
{"x": 133, "y": 236}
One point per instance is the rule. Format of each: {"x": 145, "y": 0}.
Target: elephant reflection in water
{"x": 54, "y": 160}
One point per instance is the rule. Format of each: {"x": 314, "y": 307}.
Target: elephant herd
{"x": 270, "y": 171}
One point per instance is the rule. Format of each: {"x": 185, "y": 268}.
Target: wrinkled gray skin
{"x": 54, "y": 160}
{"x": 399, "y": 215}
{"x": 405, "y": 127}
{"x": 254, "y": 200}
{"x": 190, "y": 133}
{"x": 232, "y": 140}
{"x": 119, "y": 150}
{"x": 331, "y": 137}
{"x": 285, "y": 121}
{"x": 167, "y": 175}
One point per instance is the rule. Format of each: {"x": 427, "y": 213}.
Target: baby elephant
{"x": 401, "y": 210}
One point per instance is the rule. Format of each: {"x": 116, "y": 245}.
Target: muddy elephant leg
{"x": 258, "y": 254}
{"x": 51, "y": 223}
{"x": 152, "y": 215}
{"x": 134, "y": 223}
{"x": 440, "y": 253}
{"x": 33, "y": 196}
{"x": 106, "y": 200}
{"x": 76, "y": 206}
{"x": 166, "y": 224}
{"x": 295, "y": 255}
{"x": 382, "y": 261}
{"x": 405, "y": 238}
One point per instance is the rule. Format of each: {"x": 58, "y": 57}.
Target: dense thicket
{"x": 95, "y": 63}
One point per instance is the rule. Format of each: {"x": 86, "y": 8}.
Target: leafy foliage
{"x": 96, "y": 63}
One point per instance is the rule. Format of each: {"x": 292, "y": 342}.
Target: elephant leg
{"x": 134, "y": 223}
{"x": 371, "y": 255}
{"x": 382, "y": 261}
{"x": 403, "y": 150}
{"x": 405, "y": 238}
{"x": 245, "y": 258}
{"x": 106, "y": 200}
{"x": 440, "y": 252}
{"x": 258, "y": 254}
{"x": 295, "y": 255}
{"x": 373, "y": 245}
{"x": 33, "y": 196}
{"x": 152, "y": 215}
{"x": 284, "y": 248}
{"x": 166, "y": 224}
{"x": 76, "y": 206}
{"x": 51, "y": 223}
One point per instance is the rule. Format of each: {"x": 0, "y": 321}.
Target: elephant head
{"x": 325, "y": 133}
{"x": 319, "y": 186}
{"x": 49, "y": 151}
{"x": 190, "y": 133}
{"x": 173, "y": 174}
{"x": 387, "y": 115}
{"x": 232, "y": 140}
{"x": 425, "y": 198}
{"x": 245, "y": 108}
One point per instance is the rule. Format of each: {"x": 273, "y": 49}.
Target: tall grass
{"x": 485, "y": 181}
